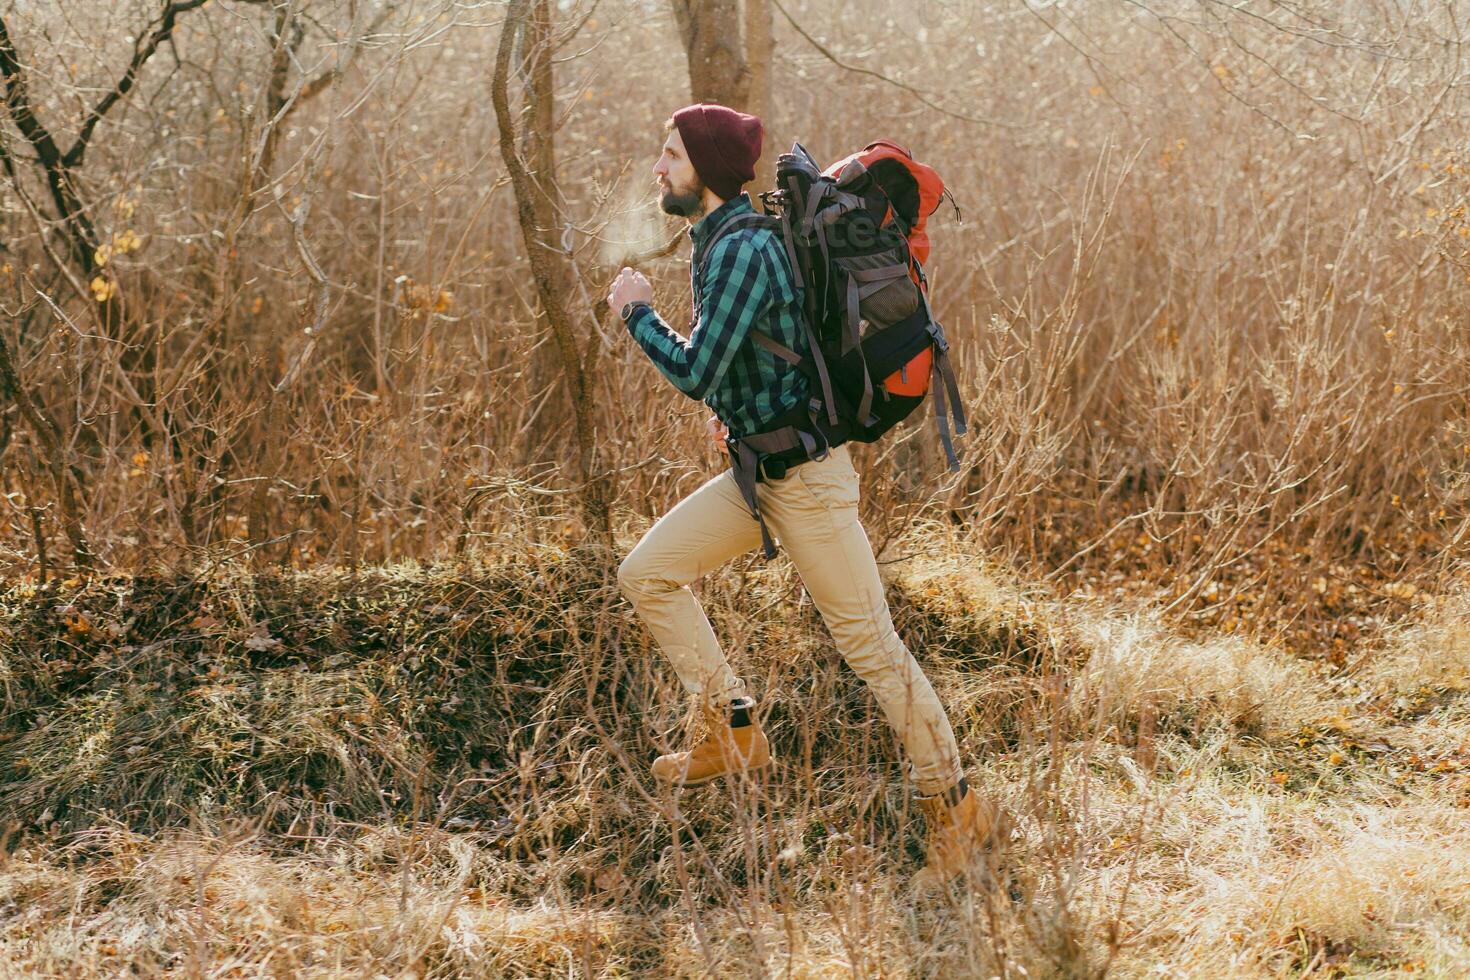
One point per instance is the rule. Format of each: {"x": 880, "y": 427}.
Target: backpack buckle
{"x": 937, "y": 332}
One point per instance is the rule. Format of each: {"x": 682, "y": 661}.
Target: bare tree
{"x": 83, "y": 260}
{"x": 531, "y": 23}
{"x": 68, "y": 479}
{"x": 61, "y": 169}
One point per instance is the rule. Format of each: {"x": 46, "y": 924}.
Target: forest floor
{"x": 441, "y": 770}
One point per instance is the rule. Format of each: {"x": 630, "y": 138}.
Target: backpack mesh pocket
{"x": 881, "y": 285}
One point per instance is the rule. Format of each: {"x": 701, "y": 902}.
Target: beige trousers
{"x": 813, "y": 513}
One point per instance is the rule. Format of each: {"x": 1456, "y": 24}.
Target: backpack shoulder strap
{"x": 736, "y": 221}
{"x": 773, "y": 345}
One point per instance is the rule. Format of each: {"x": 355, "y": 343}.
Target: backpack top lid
{"x": 913, "y": 189}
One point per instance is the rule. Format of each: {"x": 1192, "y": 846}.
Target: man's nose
{"x": 659, "y": 169}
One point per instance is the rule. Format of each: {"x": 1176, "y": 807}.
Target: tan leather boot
{"x": 724, "y": 748}
{"x": 965, "y": 833}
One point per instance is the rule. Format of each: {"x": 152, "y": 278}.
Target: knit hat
{"x": 722, "y": 143}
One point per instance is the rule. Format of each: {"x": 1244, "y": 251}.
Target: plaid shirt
{"x": 747, "y": 283}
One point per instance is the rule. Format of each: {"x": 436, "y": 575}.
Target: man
{"x": 747, "y": 283}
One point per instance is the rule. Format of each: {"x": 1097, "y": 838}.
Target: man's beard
{"x": 690, "y": 204}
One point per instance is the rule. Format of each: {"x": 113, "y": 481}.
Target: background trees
{"x": 275, "y": 282}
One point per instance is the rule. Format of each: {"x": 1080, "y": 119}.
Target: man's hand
{"x": 717, "y": 431}
{"x": 628, "y": 286}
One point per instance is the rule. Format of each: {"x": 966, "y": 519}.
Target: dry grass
{"x": 350, "y": 694}
{"x": 472, "y": 798}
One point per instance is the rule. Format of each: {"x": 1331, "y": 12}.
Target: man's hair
{"x": 669, "y": 125}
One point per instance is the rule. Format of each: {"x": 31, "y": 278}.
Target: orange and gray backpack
{"x": 855, "y": 235}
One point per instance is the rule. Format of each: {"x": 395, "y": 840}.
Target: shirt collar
{"x": 702, "y": 228}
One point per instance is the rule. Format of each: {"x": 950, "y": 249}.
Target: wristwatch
{"x": 630, "y": 306}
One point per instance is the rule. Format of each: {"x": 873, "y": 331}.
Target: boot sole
{"x": 720, "y": 775}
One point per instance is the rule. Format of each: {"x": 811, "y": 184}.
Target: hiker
{"x": 807, "y": 494}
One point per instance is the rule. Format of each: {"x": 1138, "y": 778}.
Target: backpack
{"x": 855, "y": 236}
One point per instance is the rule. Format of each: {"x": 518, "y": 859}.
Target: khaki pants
{"x": 813, "y": 513}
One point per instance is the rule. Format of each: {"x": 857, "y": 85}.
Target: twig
{"x": 916, "y": 93}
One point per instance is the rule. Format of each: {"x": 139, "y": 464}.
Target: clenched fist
{"x": 628, "y": 286}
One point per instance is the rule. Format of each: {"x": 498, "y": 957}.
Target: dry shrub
{"x": 1135, "y": 665}
{"x": 1431, "y": 649}
{"x": 1207, "y": 291}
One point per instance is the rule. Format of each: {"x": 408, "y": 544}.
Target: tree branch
{"x": 142, "y": 50}
{"x": 81, "y": 236}
{"x": 70, "y": 481}
{"x": 916, "y": 93}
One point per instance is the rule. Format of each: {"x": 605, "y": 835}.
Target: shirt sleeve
{"x": 736, "y": 291}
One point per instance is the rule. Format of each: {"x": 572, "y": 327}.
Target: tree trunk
{"x": 760, "y": 47}
{"x": 550, "y": 264}
{"x": 710, "y": 30}
{"x": 538, "y": 151}
{"x": 728, "y": 45}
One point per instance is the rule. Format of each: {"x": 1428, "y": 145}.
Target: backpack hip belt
{"x": 774, "y": 452}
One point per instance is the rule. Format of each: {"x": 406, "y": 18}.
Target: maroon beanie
{"x": 722, "y": 143}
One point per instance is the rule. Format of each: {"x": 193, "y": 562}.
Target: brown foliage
{"x": 1208, "y": 291}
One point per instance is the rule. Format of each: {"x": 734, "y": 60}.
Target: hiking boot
{"x": 965, "y": 832}
{"x": 732, "y": 742}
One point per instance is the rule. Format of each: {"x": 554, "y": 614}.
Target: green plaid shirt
{"x": 747, "y": 283}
